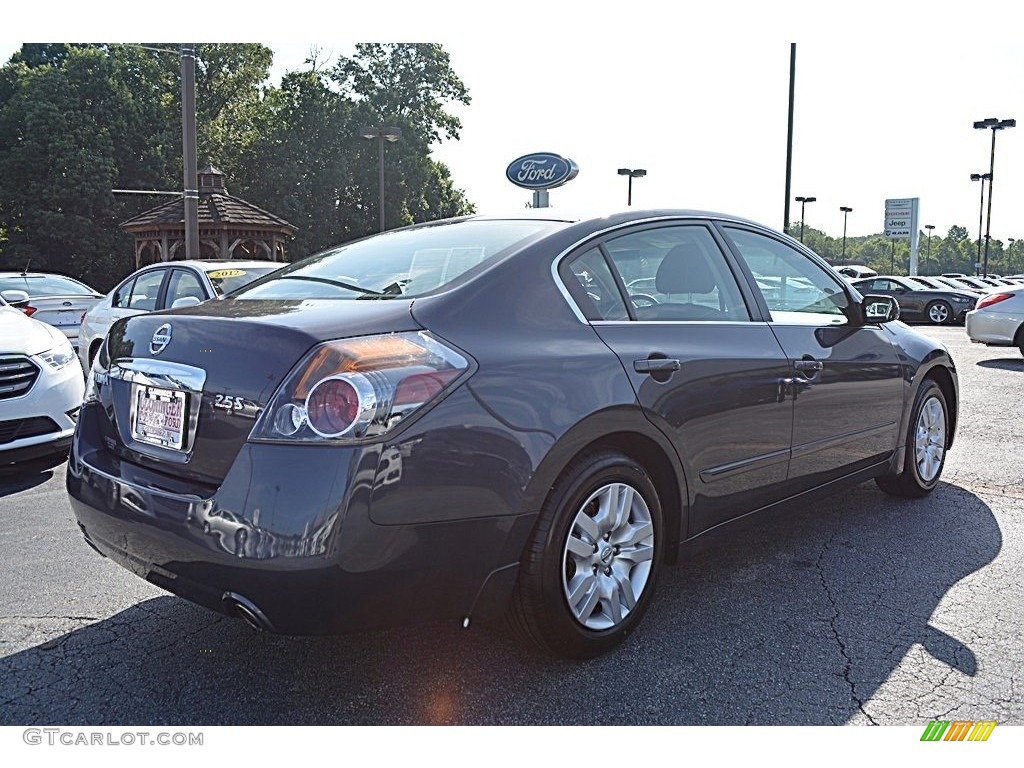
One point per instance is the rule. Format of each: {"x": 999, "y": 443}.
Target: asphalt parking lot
{"x": 862, "y": 609}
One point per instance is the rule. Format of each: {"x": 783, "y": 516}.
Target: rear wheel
{"x": 925, "y": 446}
{"x": 1020, "y": 339}
{"x": 589, "y": 571}
{"x": 938, "y": 312}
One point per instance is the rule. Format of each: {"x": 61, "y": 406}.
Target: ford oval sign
{"x": 541, "y": 170}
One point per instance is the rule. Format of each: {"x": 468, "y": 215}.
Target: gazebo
{"x": 229, "y": 227}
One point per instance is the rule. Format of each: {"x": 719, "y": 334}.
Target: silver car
{"x": 998, "y": 320}
{"x": 53, "y": 299}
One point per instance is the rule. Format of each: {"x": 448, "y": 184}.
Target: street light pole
{"x": 982, "y": 177}
{"x": 1009, "y": 255}
{"x": 928, "y": 246}
{"x": 188, "y": 142}
{"x": 803, "y": 201}
{"x": 632, "y": 173}
{"x": 381, "y": 133}
{"x": 994, "y": 124}
{"x": 846, "y": 211}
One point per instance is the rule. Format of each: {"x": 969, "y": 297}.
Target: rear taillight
{"x": 358, "y": 388}
{"x": 992, "y": 298}
{"x": 27, "y": 309}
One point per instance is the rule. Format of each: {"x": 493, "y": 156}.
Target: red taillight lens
{"x": 992, "y": 298}
{"x": 28, "y": 310}
{"x": 361, "y": 387}
{"x": 332, "y": 407}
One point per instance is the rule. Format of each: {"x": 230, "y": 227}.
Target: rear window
{"x": 401, "y": 263}
{"x": 231, "y": 279}
{"x": 37, "y": 286}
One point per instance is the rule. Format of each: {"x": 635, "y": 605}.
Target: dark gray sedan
{"x": 481, "y": 416}
{"x": 917, "y": 302}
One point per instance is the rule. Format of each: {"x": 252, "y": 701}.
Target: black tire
{"x": 1020, "y": 339}
{"x": 93, "y": 350}
{"x": 938, "y": 313}
{"x": 540, "y": 609}
{"x": 910, "y": 484}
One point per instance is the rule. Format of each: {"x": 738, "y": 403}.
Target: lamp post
{"x": 846, "y": 211}
{"x": 928, "y": 246}
{"x": 994, "y": 124}
{"x": 392, "y": 134}
{"x": 632, "y": 173}
{"x": 803, "y": 201}
{"x": 982, "y": 177}
{"x": 1009, "y": 254}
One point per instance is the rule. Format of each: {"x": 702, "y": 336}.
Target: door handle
{"x": 656, "y": 365}
{"x": 811, "y": 366}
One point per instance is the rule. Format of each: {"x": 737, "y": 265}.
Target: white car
{"x": 998, "y": 320}
{"x": 41, "y": 388}
{"x": 54, "y": 299}
{"x": 167, "y": 285}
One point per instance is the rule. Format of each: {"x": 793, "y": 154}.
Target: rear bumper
{"x": 289, "y": 531}
{"x": 994, "y": 328}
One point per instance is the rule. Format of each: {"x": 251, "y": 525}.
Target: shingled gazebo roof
{"x": 216, "y": 206}
{"x": 229, "y": 227}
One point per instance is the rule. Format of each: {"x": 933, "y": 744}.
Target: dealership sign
{"x": 541, "y": 170}
{"x": 901, "y": 218}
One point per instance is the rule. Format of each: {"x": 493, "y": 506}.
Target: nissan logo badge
{"x": 161, "y": 339}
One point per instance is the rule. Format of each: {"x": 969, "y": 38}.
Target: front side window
{"x": 797, "y": 291}
{"x": 184, "y": 284}
{"x": 677, "y": 273}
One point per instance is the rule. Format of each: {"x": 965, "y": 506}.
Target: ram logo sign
{"x": 541, "y": 170}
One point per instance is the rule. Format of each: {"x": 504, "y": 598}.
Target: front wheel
{"x": 938, "y": 312}
{"x": 589, "y": 571}
{"x": 925, "y": 446}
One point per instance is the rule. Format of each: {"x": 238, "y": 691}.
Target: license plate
{"x": 159, "y": 416}
{"x": 65, "y": 318}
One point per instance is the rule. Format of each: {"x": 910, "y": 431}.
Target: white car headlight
{"x": 58, "y": 357}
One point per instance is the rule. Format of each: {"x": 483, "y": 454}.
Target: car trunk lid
{"x": 208, "y": 371}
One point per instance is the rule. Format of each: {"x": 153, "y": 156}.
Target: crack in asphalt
{"x": 847, "y": 661}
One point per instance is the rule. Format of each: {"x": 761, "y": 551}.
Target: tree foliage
{"x": 79, "y": 120}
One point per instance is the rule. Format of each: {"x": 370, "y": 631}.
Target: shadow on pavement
{"x": 795, "y": 620}
{"x": 1005, "y": 363}
{"x": 22, "y": 477}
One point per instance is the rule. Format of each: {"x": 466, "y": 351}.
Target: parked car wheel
{"x": 589, "y": 571}
{"x": 1020, "y": 339}
{"x": 938, "y": 312}
{"x": 925, "y": 446}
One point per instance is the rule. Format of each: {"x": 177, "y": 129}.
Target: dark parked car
{"x": 475, "y": 416}
{"x": 917, "y": 302}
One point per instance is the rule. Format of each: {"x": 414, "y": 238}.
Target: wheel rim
{"x": 938, "y": 313}
{"x": 930, "y": 442}
{"x": 608, "y": 555}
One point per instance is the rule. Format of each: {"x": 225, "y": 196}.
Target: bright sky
{"x": 886, "y": 95}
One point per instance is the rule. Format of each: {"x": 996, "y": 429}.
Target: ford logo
{"x": 160, "y": 339}
{"x": 541, "y": 170}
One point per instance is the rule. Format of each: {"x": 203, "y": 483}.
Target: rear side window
{"x": 146, "y": 290}
{"x": 122, "y": 294}
{"x": 593, "y": 286}
{"x": 677, "y": 273}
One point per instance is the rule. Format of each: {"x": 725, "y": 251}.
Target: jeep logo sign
{"x": 541, "y": 170}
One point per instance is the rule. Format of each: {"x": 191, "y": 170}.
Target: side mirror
{"x": 880, "y": 309}
{"x": 185, "y": 301}
{"x": 14, "y": 298}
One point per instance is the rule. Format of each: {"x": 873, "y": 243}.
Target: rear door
{"x": 705, "y": 366}
{"x": 846, "y": 380}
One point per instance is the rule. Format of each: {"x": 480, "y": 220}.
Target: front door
{"x": 846, "y": 380}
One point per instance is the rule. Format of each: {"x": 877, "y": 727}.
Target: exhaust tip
{"x": 245, "y": 609}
